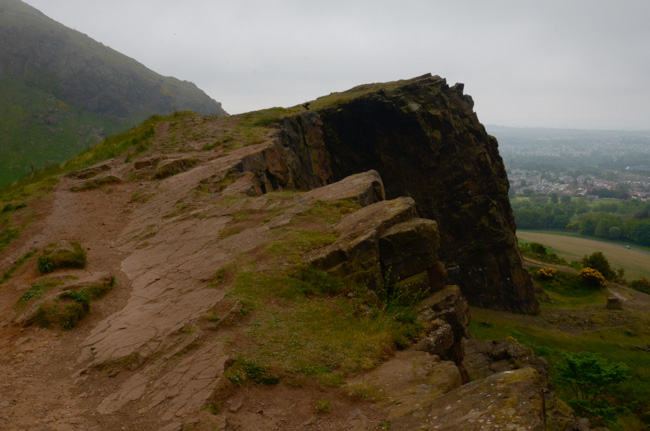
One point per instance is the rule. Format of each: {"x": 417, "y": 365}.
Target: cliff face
{"x": 426, "y": 142}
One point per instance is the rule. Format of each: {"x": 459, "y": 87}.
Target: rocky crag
{"x": 426, "y": 142}
{"x": 272, "y": 271}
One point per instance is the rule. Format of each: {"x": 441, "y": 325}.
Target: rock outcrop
{"x": 426, "y": 142}
{"x": 198, "y": 223}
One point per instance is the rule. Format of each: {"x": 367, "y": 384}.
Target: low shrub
{"x": 642, "y": 285}
{"x": 546, "y": 273}
{"x": 592, "y": 277}
{"x": 599, "y": 262}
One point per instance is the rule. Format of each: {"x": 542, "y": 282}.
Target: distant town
{"x": 597, "y": 164}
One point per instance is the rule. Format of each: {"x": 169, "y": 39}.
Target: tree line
{"x": 621, "y": 220}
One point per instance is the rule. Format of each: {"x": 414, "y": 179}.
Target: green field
{"x": 636, "y": 262}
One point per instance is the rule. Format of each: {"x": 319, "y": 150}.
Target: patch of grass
{"x": 293, "y": 244}
{"x": 254, "y": 126}
{"x": 12, "y": 207}
{"x": 7, "y": 274}
{"x": 56, "y": 257}
{"x": 567, "y": 290}
{"x": 310, "y": 323}
{"x": 69, "y": 307}
{"x": 244, "y": 369}
{"x": 38, "y": 289}
{"x": 7, "y": 236}
{"x": 323, "y": 406}
{"x": 539, "y": 252}
{"x": 362, "y": 391}
{"x": 330, "y": 212}
{"x": 334, "y": 99}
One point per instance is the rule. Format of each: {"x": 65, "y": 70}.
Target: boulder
{"x": 614, "y": 303}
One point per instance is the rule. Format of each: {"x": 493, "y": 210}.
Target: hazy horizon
{"x": 578, "y": 65}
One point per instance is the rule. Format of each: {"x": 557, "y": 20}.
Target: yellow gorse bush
{"x": 592, "y": 277}
{"x": 546, "y": 273}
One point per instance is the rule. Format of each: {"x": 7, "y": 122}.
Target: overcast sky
{"x": 547, "y": 63}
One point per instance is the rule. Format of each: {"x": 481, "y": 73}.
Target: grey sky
{"x": 547, "y": 63}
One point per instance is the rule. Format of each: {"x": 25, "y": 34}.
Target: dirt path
{"x": 36, "y": 366}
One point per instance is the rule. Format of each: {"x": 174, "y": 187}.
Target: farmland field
{"x": 636, "y": 262}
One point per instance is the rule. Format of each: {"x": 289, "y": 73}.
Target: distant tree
{"x": 642, "y": 215}
{"x": 587, "y": 226}
{"x": 599, "y": 262}
{"x": 565, "y": 199}
{"x": 614, "y": 232}
{"x": 560, "y": 222}
{"x": 554, "y": 198}
{"x": 641, "y": 232}
{"x": 605, "y": 222}
{"x": 539, "y": 200}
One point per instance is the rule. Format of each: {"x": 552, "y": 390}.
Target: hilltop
{"x": 62, "y": 91}
{"x": 296, "y": 269}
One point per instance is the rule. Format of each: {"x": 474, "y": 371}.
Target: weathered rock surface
{"x": 364, "y": 189}
{"x": 485, "y": 358}
{"x": 445, "y": 317}
{"x": 614, "y": 303}
{"x": 426, "y": 142}
{"x": 409, "y": 383}
{"x": 512, "y": 400}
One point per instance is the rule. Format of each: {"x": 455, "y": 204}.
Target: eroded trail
{"x": 37, "y": 365}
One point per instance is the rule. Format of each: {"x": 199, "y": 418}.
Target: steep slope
{"x": 62, "y": 91}
{"x": 246, "y": 287}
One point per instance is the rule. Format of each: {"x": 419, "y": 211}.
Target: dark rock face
{"x": 425, "y": 141}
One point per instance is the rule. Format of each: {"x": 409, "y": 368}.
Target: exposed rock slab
{"x": 365, "y": 189}
{"x": 409, "y": 383}
{"x": 512, "y": 400}
{"x": 485, "y": 358}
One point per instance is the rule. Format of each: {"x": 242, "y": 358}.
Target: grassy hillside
{"x": 574, "y": 319}
{"x": 62, "y": 92}
{"x": 636, "y": 263}
{"x": 37, "y": 130}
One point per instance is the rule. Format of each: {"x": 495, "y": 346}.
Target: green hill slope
{"x": 62, "y": 91}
